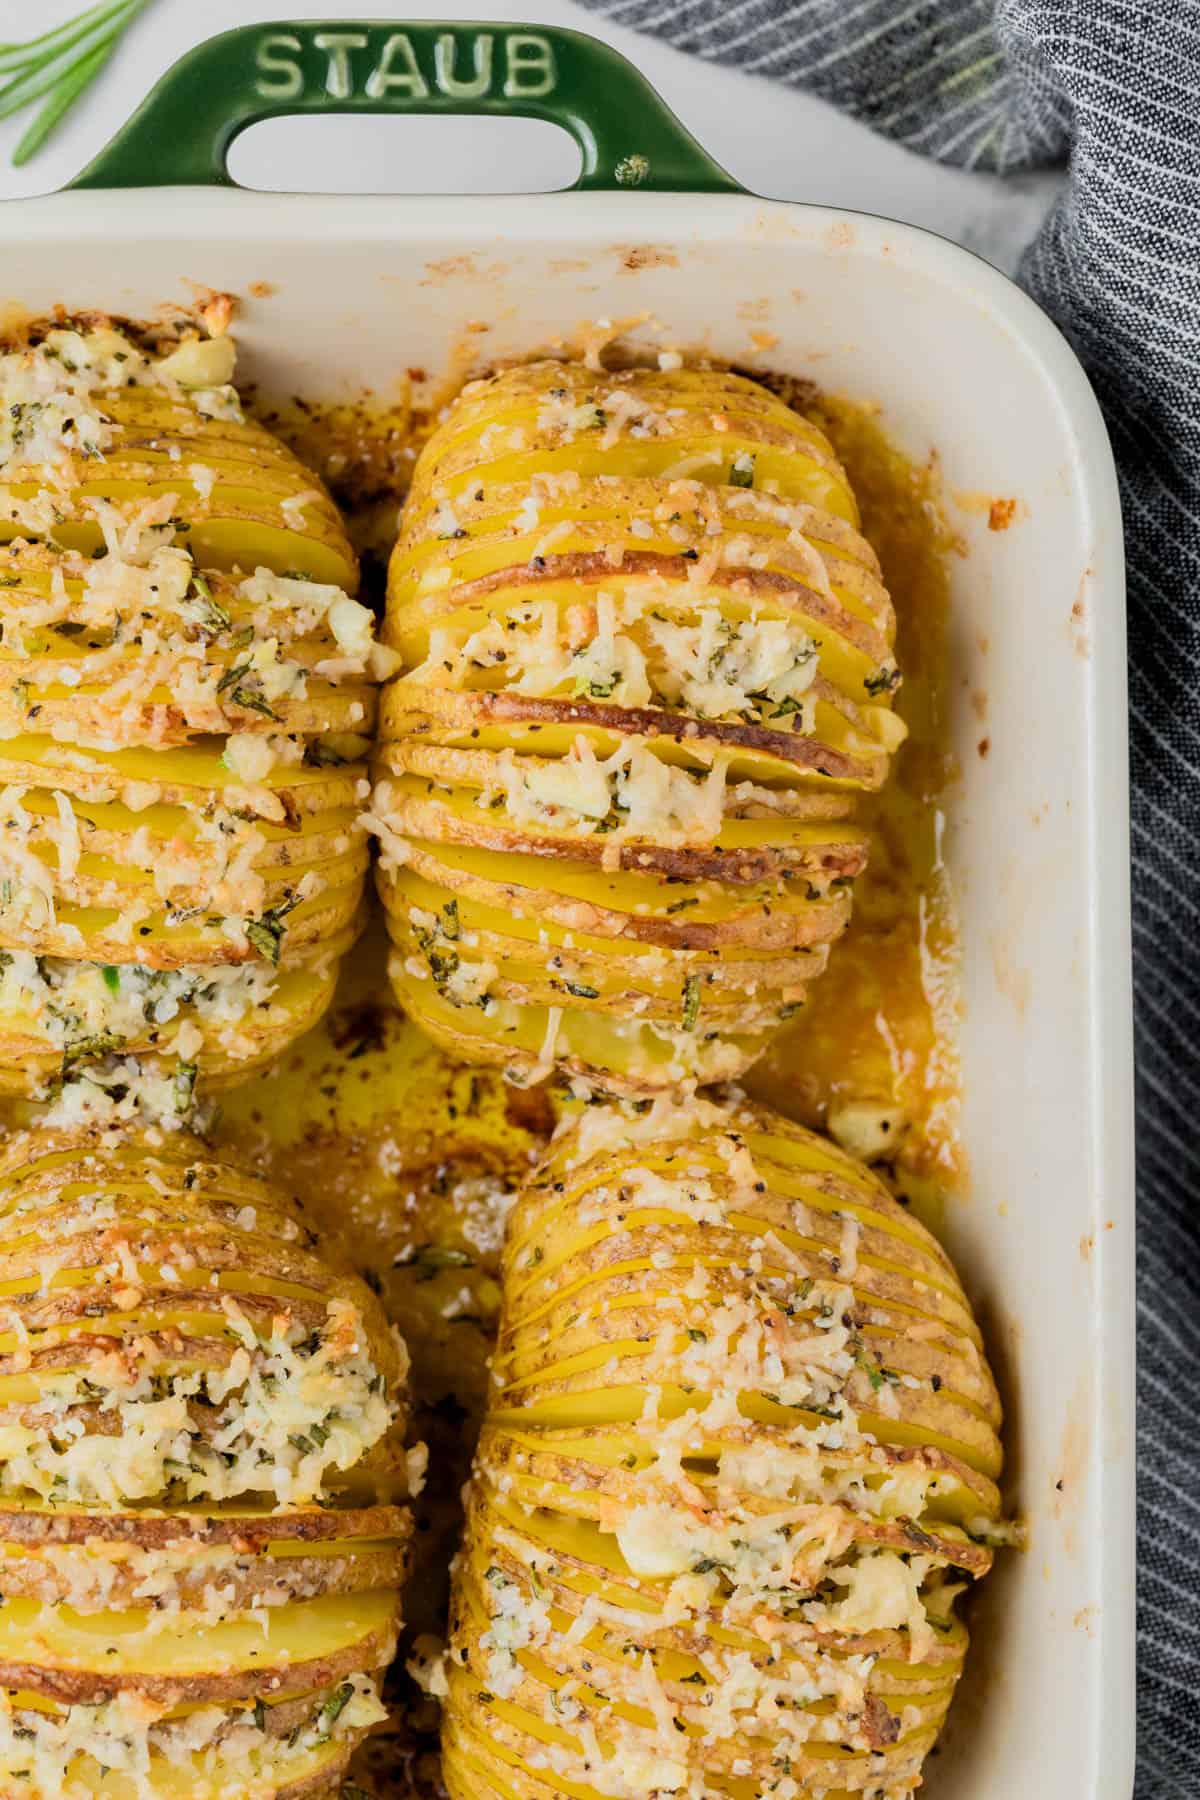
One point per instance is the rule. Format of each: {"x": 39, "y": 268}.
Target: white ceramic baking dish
{"x": 961, "y": 363}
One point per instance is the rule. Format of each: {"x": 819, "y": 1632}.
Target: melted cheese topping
{"x": 706, "y": 664}
{"x": 277, "y": 1418}
{"x": 632, "y": 794}
{"x": 51, "y": 393}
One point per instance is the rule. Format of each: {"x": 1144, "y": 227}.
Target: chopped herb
{"x": 90, "y": 1049}
{"x": 184, "y": 1085}
{"x": 915, "y": 1535}
{"x": 334, "y": 1707}
{"x": 870, "y": 1365}
{"x": 691, "y": 1002}
{"x": 320, "y": 755}
{"x": 742, "y": 473}
{"x": 266, "y": 934}
{"x": 233, "y": 676}
{"x": 215, "y": 616}
{"x": 265, "y": 937}
{"x": 580, "y": 991}
{"x": 882, "y": 681}
{"x": 112, "y": 978}
{"x": 428, "y": 1260}
{"x": 697, "y": 1337}
{"x": 253, "y": 702}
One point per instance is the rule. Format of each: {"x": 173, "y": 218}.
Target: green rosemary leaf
{"x": 60, "y": 102}
{"x": 50, "y": 72}
{"x": 39, "y": 50}
{"x": 61, "y": 64}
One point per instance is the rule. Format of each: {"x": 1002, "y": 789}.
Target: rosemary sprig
{"x": 58, "y": 65}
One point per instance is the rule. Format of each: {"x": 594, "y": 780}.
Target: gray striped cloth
{"x": 1112, "y": 89}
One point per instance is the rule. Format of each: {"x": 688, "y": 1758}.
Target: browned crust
{"x": 732, "y": 867}
{"x": 466, "y": 766}
{"x": 169, "y": 724}
{"x": 754, "y": 927}
{"x": 482, "y": 707}
{"x": 104, "y": 1300}
{"x": 586, "y": 566}
{"x": 338, "y": 909}
{"x": 208, "y": 1248}
{"x": 321, "y": 1783}
{"x": 247, "y": 1534}
{"x": 333, "y": 792}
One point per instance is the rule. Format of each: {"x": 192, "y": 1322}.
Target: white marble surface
{"x": 775, "y": 141}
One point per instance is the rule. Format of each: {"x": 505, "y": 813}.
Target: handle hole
{"x": 361, "y": 153}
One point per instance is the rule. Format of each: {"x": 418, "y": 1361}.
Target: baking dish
{"x": 963, "y": 367}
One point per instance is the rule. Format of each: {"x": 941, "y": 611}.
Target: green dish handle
{"x": 181, "y": 133}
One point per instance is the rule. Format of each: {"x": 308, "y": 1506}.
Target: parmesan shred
{"x": 636, "y": 649}
{"x": 689, "y": 1471}
{"x": 175, "y": 739}
{"x": 632, "y": 794}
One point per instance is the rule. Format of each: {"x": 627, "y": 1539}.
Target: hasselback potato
{"x": 186, "y": 692}
{"x": 741, "y": 1460}
{"x": 202, "y": 1535}
{"x": 648, "y": 667}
